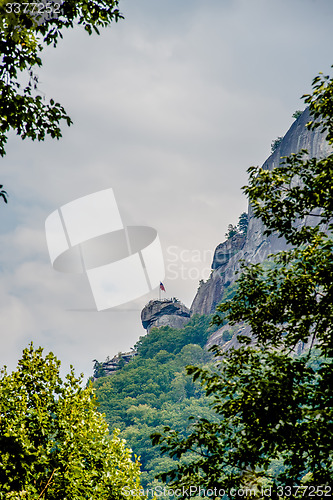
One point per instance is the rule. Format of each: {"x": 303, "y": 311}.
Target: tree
{"x": 54, "y": 443}
{"x": 232, "y": 231}
{"x": 98, "y": 369}
{"x": 276, "y": 143}
{"x": 297, "y": 114}
{"x": 241, "y": 227}
{"x": 25, "y": 30}
{"x": 275, "y": 407}
{"x": 23, "y": 36}
{"x": 243, "y": 223}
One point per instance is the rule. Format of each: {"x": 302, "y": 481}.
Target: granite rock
{"x": 165, "y": 312}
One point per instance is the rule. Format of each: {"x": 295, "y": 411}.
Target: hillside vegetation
{"x": 153, "y": 391}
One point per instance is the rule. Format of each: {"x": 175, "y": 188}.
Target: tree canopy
{"x": 54, "y": 444}
{"x": 275, "y": 404}
{"x": 152, "y": 390}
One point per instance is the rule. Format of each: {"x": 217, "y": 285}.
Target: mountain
{"x": 254, "y": 247}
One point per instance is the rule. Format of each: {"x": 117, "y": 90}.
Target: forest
{"x": 153, "y": 390}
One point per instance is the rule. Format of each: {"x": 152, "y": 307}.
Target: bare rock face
{"x": 209, "y": 293}
{"x": 218, "y": 337}
{"x": 226, "y": 250}
{"x": 256, "y": 247}
{"x": 110, "y": 366}
{"x": 166, "y": 312}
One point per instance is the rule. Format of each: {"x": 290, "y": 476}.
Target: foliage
{"x": 3, "y": 194}
{"x": 271, "y": 406}
{"x": 298, "y": 188}
{"x": 276, "y": 143}
{"x": 172, "y": 340}
{"x": 232, "y": 231}
{"x": 23, "y": 36}
{"x": 276, "y": 406}
{"x": 54, "y": 443}
{"x": 241, "y": 227}
{"x": 152, "y": 390}
{"x": 226, "y": 335}
{"x": 243, "y": 223}
{"x": 98, "y": 369}
{"x": 321, "y": 105}
{"x": 297, "y": 114}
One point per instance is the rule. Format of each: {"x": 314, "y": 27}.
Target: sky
{"x": 170, "y": 107}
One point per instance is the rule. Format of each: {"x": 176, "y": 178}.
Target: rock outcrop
{"x": 110, "y": 366}
{"x": 209, "y": 293}
{"x": 252, "y": 248}
{"x": 165, "y": 312}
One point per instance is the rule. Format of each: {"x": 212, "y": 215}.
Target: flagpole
{"x": 159, "y": 292}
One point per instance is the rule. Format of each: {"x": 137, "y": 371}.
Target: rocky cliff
{"x": 165, "y": 312}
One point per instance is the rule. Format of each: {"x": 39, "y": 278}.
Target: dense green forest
{"x": 153, "y": 391}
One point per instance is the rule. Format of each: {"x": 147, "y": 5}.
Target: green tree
{"x": 23, "y": 36}
{"x": 276, "y": 143}
{"x": 297, "y": 114}
{"x": 232, "y": 231}
{"x": 243, "y": 223}
{"x": 152, "y": 390}
{"x": 54, "y": 443}
{"x": 275, "y": 407}
{"x": 98, "y": 369}
{"x": 241, "y": 227}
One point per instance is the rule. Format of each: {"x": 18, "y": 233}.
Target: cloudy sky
{"x": 170, "y": 107}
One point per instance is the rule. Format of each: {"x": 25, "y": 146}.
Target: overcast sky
{"x": 170, "y": 107}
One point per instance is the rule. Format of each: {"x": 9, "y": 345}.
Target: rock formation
{"x": 209, "y": 293}
{"x": 110, "y": 366}
{"x": 165, "y": 312}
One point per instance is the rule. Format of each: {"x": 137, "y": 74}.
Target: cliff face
{"x": 209, "y": 294}
{"x": 256, "y": 247}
